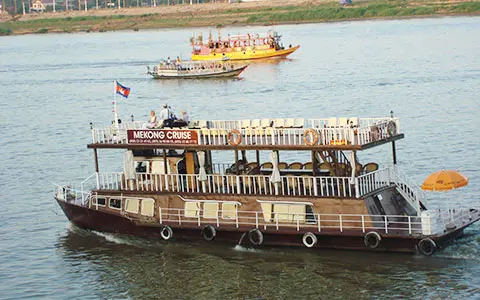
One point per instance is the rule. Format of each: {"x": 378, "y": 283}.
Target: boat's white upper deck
{"x": 257, "y": 132}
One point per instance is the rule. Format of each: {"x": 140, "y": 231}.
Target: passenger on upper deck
{"x": 183, "y": 120}
{"x": 164, "y": 115}
{"x": 152, "y": 121}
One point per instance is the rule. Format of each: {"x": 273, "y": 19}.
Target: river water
{"x": 427, "y": 71}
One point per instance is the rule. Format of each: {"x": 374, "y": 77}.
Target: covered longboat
{"x": 196, "y": 70}
{"x": 261, "y": 183}
{"x": 240, "y": 47}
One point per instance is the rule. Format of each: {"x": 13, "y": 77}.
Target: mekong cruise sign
{"x": 164, "y": 136}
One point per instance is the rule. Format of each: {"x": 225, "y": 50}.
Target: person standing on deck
{"x": 165, "y": 115}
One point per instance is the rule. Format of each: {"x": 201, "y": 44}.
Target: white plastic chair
{"x": 255, "y": 123}
{"x": 245, "y": 123}
{"x": 342, "y": 122}
{"x": 289, "y": 123}
{"x": 332, "y": 122}
{"x": 298, "y": 123}
{"x": 265, "y": 123}
{"x": 279, "y": 123}
{"x": 202, "y": 124}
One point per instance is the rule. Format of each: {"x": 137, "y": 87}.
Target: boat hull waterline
{"x": 247, "y": 55}
{"x": 92, "y": 219}
{"x": 185, "y": 75}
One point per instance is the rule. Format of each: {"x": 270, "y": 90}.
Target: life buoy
{"x": 309, "y": 239}
{"x": 255, "y": 237}
{"x": 313, "y": 133}
{"x": 209, "y": 233}
{"x": 166, "y": 233}
{"x": 234, "y": 141}
{"x": 391, "y": 128}
{"x": 427, "y": 246}
{"x": 372, "y": 239}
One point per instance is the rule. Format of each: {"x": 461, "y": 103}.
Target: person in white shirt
{"x": 165, "y": 113}
{"x": 165, "y": 116}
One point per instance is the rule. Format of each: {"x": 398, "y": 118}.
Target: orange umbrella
{"x": 444, "y": 180}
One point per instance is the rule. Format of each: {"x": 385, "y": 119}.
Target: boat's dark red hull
{"x": 105, "y": 222}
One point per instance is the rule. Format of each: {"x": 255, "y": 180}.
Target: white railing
{"x": 87, "y": 183}
{"x": 112, "y": 181}
{"x": 275, "y": 136}
{"x": 388, "y": 224}
{"x": 320, "y": 186}
{"x": 261, "y": 131}
{"x": 408, "y": 188}
{"x": 373, "y": 181}
{"x": 325, "y": 186}
{"x": 69, "y": 194}
{"x": 437, "y": 221}
{"x": 220, "y": 168}
{"x": 109, "y": 135}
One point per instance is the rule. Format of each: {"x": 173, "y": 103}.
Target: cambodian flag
{"x": 122, "y": 90}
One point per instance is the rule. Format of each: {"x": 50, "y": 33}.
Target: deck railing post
{"x": 363, "y": 223}
{"x": 386, "y": 224}
{"x": 357, "y": 188}
{"x": 341, "y": 223}
{"x": 256, "y": 219}
{"x": 319, "y": 226}
{"x": 409, "y": 225}
{"x": 160, "y": 214}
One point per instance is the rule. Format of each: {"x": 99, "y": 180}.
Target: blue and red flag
{"x": 122, "y": 90}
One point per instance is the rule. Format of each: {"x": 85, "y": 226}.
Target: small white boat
{"x": 196, "y": 69}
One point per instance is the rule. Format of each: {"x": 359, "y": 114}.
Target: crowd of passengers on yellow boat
{"x": 167, "y": 118}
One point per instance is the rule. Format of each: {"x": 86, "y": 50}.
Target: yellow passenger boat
{"x": 240, "y": 47}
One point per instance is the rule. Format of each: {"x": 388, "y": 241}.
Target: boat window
{"x": 148, "y": 207}
{"x": 267, "y": 211}
{"x": 115, "y": 203}
{"x": 158, "y": 167}
{"x": 281, "y": 212}
{"x": 229, "y": 210}
{"x": 141, "y": 167}
{"x": 286, "y": 212}
{"x": 210, "y": 210}
{"x": 100, "y": 201}
{"x": 297, "y": 212}
{"x": 192, "y": 209}
{"x": 131, "y": 205}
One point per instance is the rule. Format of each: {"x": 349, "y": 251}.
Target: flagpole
{"x": 115, "y": 114}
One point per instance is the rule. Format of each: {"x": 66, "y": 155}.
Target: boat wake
{"x": 116, "y": 239}
{"x": 240, "y": 248}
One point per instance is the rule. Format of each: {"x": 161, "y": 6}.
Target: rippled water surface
{"x": 427, "y": 71}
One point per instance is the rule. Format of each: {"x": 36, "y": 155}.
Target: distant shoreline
{"x": 266, "y": 12}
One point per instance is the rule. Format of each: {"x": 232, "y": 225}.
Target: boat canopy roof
{"x": 236, "y": 37}
{"x": 342, "y": 133}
